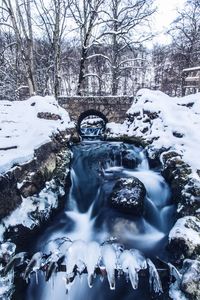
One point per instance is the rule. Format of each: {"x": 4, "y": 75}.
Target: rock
{"x": 119, "y": 226}
{"x": 50, "y": 161}
{"x": 184, "y": 238}
{"x": 129, "y": 160}
{"x": 190, "y": 283}
{"x": 177, "y": 134}
{"x": 128, "y": 196}
{"x": 185, "y": 188}
{"x": 48, "y": 116}
{"x": 10, "y": 197}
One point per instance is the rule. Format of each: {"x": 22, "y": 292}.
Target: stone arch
{"x": 90, "y": 112}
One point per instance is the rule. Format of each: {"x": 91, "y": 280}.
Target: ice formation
{"x": 80, "y": 257}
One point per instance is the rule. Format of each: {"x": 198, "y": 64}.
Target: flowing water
{"x": 96, "y": 167}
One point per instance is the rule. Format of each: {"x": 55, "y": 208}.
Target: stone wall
{"x": 113, "y": 107}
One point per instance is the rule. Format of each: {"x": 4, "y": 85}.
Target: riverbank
{"x": 168, "y": 128}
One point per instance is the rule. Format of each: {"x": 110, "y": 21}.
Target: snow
{"x": 186, "y": 228}
{"x": 174, "y": 126}
{"x": 6, "y": 282}
{"x": 21, "y": 129}
{"x": 191, "y": 69}
{"x": 175, "y": 293}
{"x": 25, "y": 213}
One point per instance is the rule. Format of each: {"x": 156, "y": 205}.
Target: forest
{"x": 93, "y": 47}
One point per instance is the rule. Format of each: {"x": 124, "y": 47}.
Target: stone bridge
{"x": 112, "y": 107}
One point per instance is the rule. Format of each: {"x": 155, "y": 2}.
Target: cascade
{"x": 101, "y": 238}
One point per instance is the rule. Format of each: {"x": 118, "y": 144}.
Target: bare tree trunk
{"x": 57, "y": 51}
{"x": 90, "y": 14}
{"x": 30, "y": 56}
{"x": 115, "y": 49}
{"x": 81, "y": 78}
{"x": 22, "y": 27}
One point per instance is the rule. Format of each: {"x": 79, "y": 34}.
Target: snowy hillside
{"x": 165, "y": 122}
{"x": 26, "y": 125}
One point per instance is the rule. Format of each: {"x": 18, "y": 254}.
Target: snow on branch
{"x": 99, "y": 55}
{"x": 92, "y": 75}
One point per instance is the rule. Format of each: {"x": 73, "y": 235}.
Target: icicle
{"x": 18, "y": 259}
{"x": 140, "y": 259}
{"x": 109, "y": 260}
{"x": 92, "y": 257}
{"x": 34, "y": 264}
{"x": 154, "y": 279}
{"x": 75, "y": 255}
{"x": 36, "y": 277}
{"x": 129, "y": 265}
{"x": 175, "y": 273}
{"x": 50, "y": 270}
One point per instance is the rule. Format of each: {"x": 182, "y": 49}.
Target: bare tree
{"x": 185, "y": 33}
{"x": 85, "y": 14}
{"x": 18, "y": 17}
{"x": 52, "y": 15}
{"x": 127, "y": 25}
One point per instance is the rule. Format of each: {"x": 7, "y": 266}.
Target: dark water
{"x": 95, "y": 168}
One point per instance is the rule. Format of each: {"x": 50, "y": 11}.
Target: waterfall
{"x": 88, "y": 218}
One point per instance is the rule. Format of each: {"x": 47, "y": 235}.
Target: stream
{"x": 96, "y": 166}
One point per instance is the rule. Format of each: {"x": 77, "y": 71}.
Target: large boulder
{"x": 128, "y": 196}
{"x": 184, "y": 238}
{"x": 190, "y": 282}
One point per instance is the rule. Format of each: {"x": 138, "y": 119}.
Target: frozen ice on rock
{"x": 76, "y": 257}
{"x": 34, "y": 264}
{"x": 92, "y": 257}
{"x": 129, "y": 267}
{"x": 110, "y": 262}
{"x": 154, "y": 279}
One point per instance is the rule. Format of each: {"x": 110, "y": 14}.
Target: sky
{"x": 165, "y": 15}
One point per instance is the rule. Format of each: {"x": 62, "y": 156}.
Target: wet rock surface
{"x": 128, "y": 196}
{"x": 129, "y": 160}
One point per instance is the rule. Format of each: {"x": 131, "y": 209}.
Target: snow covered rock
{"x": 184, "y": 237}
{"x": 128, "y": 196}
{"x": 185, "y": 188}
{"x": 33, "y": 138}
{"x": 164, "y": 122}
{"x": 190, "y": 283}
{"x": 23, "y": 130}
{"x": 7, "y": 251}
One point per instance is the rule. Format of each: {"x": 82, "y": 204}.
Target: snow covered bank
{"x": 33, "y": 210}
{"x": 165, "y": 122}
{"x": 169, "y": 129}
{"x": 26, "y": 125}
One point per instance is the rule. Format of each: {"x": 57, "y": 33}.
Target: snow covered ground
{"x": 172, "y": 123}
{"x": 21, "y": 131}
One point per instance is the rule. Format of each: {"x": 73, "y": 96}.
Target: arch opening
{"x": 91, "y": 124}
